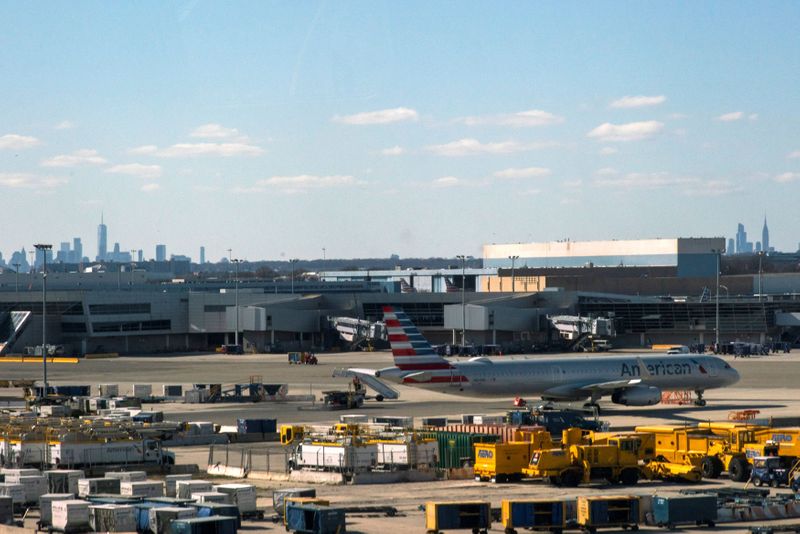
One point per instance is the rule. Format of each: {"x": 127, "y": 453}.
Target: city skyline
{"x": 280, "y": 130}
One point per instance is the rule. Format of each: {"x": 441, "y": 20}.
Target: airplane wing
{"x": 579, "y": 391}
{"x": 612, "y": 385}
{"x": 367, "y": 376}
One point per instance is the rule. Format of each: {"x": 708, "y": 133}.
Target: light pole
{"x": 236, "y": 299}
{"x": 716, "y": 306}
{"x": 16, "y": 277}
{"x": 760, "y": 257}
{"x": 323, "y": 259}
{"x": 513, "y": 278}
{"x": 463, "y": 259}
{"x": 44, "y": 249}
{"x": 292, "y": 263}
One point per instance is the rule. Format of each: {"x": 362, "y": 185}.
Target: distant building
{"x": 731, "y": 247}
{"x": 140, "y": 256}
{"x": 76, "y": 255}
{"x": 62, "y": 255}
{"x": 765, "y": 237}
{"x": 102, "y": 240}
{"x": 161, "y": 252}
{"x": 202, "y": 255}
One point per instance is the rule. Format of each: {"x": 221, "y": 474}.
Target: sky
{"x": 277, "y": 129}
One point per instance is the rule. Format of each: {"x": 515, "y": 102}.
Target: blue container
{"x": 536, "y": 514}
{"x": 676, "y": 509}
{"x": 112, "y": 499}
{"x": 144, "y": 417}
{"x": 204, "y": 525}
{"x": 313, "y": 519}
{"x": 214, "y": 509}
{"x": 248, "y": 426}
{"x": 141, "y": 512}
{"x": 471, "y": 515}
{"x": 615, "y": 512}
{"x": 269, "y": 425}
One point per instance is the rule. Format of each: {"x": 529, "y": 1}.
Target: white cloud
{"x": 64, "y": 125}
{"x": 712, "y": 188}
{"x": 181, "y": 150}
{"x": 787, "y": 177}
{"x": 795, "y": 154}
{"x": 137, "y": 169}
{"x": 640, "y": 101}
{"x": 383, "y": 116}
{"x": 572, "y": 184}
{"x": 632, "y": 131}
{"x": 446, "y": 181}
{"x": 76, "y": 159}
{"x": 393, "y": 151}
{"x": 606, "y": 171}
{"x": 531, "y": 117}
{"x": 677, "y": 116}
{"x": 467, "y": 147}
{"x": 299, "y": 183}
{"x": 214, "y": 131}
{"x": 149, "y": 188}
{"x": 607, "y": 151}
{"x": 30, "y": 181}
{"x": 753, "y": 116}
{"x": 732, "y": 116}
{"x": 643, "y": 180}
{"x": 527, "y": 172}
{"x": 17, "y": 142}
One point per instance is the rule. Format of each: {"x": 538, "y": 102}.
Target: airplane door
{"x": 713, "y": 370}
{"x": 555, "y": 374}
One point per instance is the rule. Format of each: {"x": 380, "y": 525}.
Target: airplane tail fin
{"x": 410, "y": 349}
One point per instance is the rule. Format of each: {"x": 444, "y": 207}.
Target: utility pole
{"x": 292, "y": 263}
{"x": 760, "y": 257}
{"x": 236, "y": 299}
{"x": 463, "y": 259}
{"x": 513, "y": 278}
{"x": 44, "y": 249}
{"x": 716, "y": 329}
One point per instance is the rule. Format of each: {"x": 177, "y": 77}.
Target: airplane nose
{"x": 733, "y": 375}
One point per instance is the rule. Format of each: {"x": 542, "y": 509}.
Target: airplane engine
{"x": 637, "y": 396}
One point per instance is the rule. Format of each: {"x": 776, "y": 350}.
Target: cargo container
{"x": 457, "y": 449}
{"x": 256, "y": 426}
{"x": 395, "y": 422}
{"x": 142, "y": 391}
{"x": 281, "y": 494}
{"x": 45, "y": 506}
{"x": 210, "y": 496}
{"x": 434, "y": 421}
{"x": 90, "y": 486}
{"x": 185, "y": 488}
{"x": 15, "y": 491}
{"x": 169, "y": 483}
{"x": 671, "y": 510}
{"x": 501, "y": 462}
{"x": 142, "y": 488}
{"x": 34, "y": 487}
{"x": 613, "y": 511}
{"x": 213, "y": 509}
{"x": 506, "y": 432}
{"x": 402, "y": 454}
{"x": 172, "y": 391}
{"x": 205, "y": 525}
{"x": 109, "y": 390}
{"x": 141, "y": 512}
{"x": 70, "y": 515}
{"x": 340, "y": 457}
{"x": 162, "y": 518}
{"x": 533, "y": 514}
{"x": 475, "y": 516}
{"x": 301, "y": 500}
{"x": 127, "y": 476}
{"x": 112, "y": 518}
{"x": 6, "y": 510}
{"x": 12, "y": 474}
{"x": 314, "y": 519}
{"x": 243, "y": 496}
{"x": 354, "y": 418}
{"x": 63, "y": 480}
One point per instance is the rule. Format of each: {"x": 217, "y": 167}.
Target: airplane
{"x": 635, "y": 380}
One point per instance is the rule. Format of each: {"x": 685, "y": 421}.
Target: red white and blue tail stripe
{"x": 410, "y": 349}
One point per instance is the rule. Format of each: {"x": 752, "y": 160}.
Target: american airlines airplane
{"x": 630, "y": 380}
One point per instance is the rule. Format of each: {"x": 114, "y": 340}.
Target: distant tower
{"x": 77, "y": 250}
{"x": 765, "y": 236}
{"x": 202, "y": 255}
{"x": 731, "y": 247}
{"x": 161, "y": 252}
{"x": 102, "y": 240}
{"x": 140, "y": 256}
{"x": 741, "y": 239}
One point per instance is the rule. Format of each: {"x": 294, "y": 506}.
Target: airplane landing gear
{"x": 592, "y": 407}
{"x": 699, "y": 401}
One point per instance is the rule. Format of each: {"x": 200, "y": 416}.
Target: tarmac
{"x": 768, "y": 384}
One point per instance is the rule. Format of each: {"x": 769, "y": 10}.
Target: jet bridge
{"x": 11, "y": 325}
{"x": 578, "y": 330}
{"x": 359, "y": 333}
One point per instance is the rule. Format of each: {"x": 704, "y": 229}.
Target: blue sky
{"x": 416, "y": 128}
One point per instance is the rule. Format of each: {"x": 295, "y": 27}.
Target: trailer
{"x": 122, "y": 452}
{"x": 341, "y": 457}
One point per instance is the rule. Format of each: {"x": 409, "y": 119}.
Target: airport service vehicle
{"x": 580, "y": 464}
{"x": 775, "y": 472}
{"x": 344, "y": 456}
{"x": 88, "y": 453}
{"x": 629, "y": 380}
{"x": 402, "y": 454}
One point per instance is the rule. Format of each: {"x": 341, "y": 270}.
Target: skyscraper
{"x": 202, "y": 255}
{"x": 161, "y": 252}
{"x": 731, "y": 247}
{"x": 102, "y": 240}
{"x": 765, "y": 236}
{"x": 77, "y": 250}
{"x": 741, "y": 239}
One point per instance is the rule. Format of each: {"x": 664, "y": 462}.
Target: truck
{"x": 580, "y": 464}
{"x": 504, "y": 462}
{"x": 126, "y": 452}
{"x": 775, "y": 472}
{"x": 344, "y": 457}
{"x": 402, "y": 454}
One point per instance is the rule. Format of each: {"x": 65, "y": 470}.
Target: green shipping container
{"x": 457, "y": 449}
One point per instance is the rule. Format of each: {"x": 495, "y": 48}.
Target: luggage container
{"x": 162, "y": 518}
{"x": 205, "y": 525}
{"x": 354, "y": 419}
{"x": 213, "y": 509}
{"x": 63, "y": 480}
{"x": 70, "y": 515}
{"x": 93, "y": 486}
{"x": 127, "y": 476}
{"x": 12, "y": 474}
{"x": 34, "y": 486}
{"x": 396, "y": 422}
{"x": 211, "y": 496}
{"x": 301, "y": 500}
{"x": 169, "y": 483}
{"x": 671, "y": 510}
{"x": 15, "y": 491}
{"x": 6, "y": 510}
{"x": 143, "y": 488}
{"x": 109, "y": 390}
{"x": 613, "y": 511}
{"x": 533, "y": 514}
{"x": 141, "y": 511}
{"x": 340, "y": 457}
{"x": 112, "y": 518}
{"x": 142, "y": 391}
{"x": 45, "y": 506}
{"x": 434, "y": 421}
{"x": 307, "y": 518}
{"x": 407, "y": 454}
{"x": 475, "y": 516}
{"x": 172, "y": 391}
{"x": 54, "y": 410}
{"x": 185, "y": 488}
{"x": 280, "y": 495}
{"x": 243, "y": 496}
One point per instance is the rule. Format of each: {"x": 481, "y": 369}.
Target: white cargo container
{"x": 142, "y": 488}
{"x": 196, "y": 396}
{"x": 15, "y": 491}
{"x": 335, "y": 457}
{"x": 185, "y": 488}
{"x": 211, "y": 496}
{"x": 112, "y": 518}
{"x": 94, "y": 486}
{"x": 243, "y": 496}
{"x": 354, "y": 418}
{"x": 45, "y": 505}
{"x": 162, "y": 518}
{"x": 169, "y": 483}
{"x": 142, "y": 391}
{"x": 55, "y": 410}
{"x": 199, "y": 428}
{"x": 34, "y": 487}
{"x": 109, "y": 390}
{"x": 405, "y": 455}
{"x": 63, "y": 480}
{"x": 127, "y": 476}
{"x": 70, "y": 515}
{"x": 12, "y": 474}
